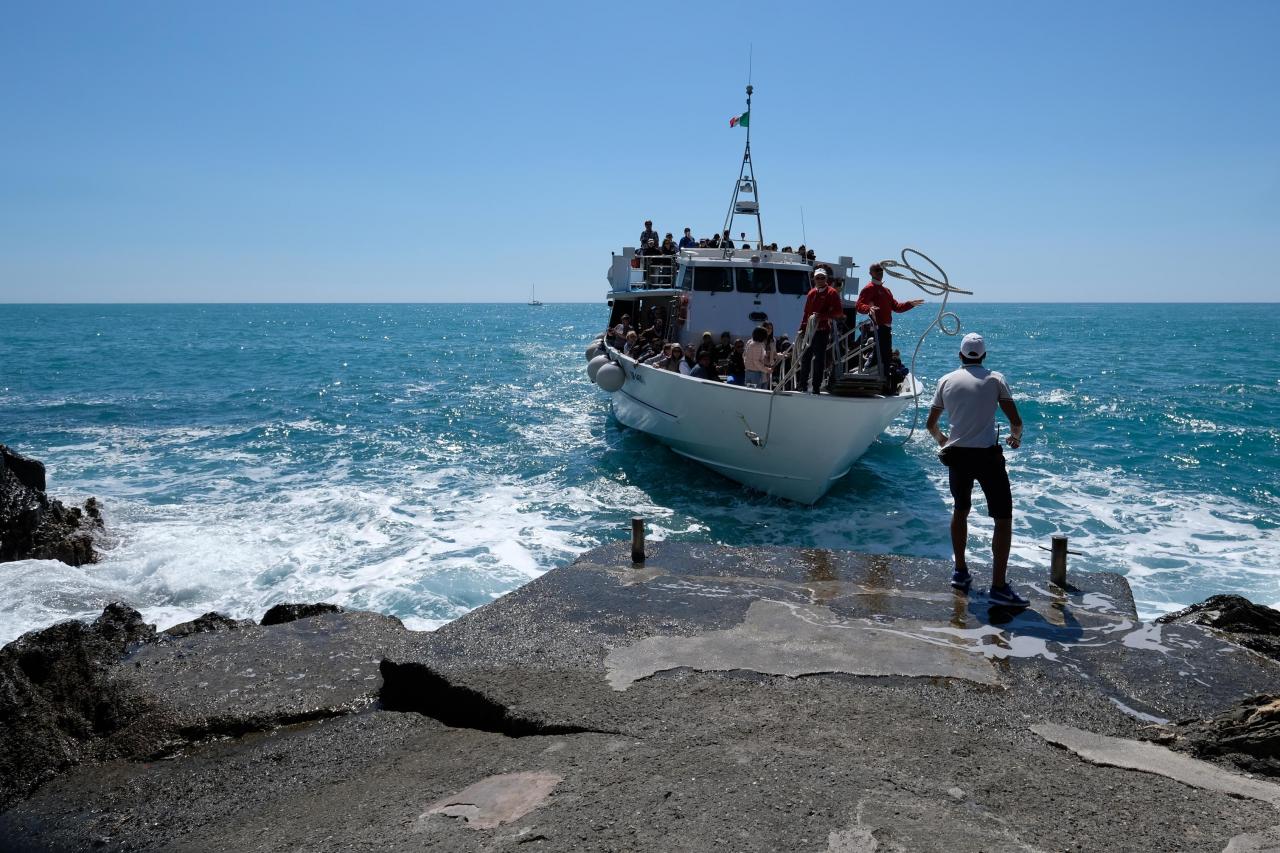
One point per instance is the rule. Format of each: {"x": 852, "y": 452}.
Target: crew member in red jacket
{"x": 823, "y": 302}
{"x": 876, "y": 300}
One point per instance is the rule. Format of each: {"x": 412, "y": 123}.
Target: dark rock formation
{"x": 1247, "y": 734}
{"x": 81, "y": 692}
{"x": 212, "y": 621}
{"x": 34, "y": 526}
{"x": 58, "y": 705}
{"x": 283, "y": 613}
{"x": 1239, "y": 619}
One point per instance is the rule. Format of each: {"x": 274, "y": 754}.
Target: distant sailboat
{"x": 533, "y": 295}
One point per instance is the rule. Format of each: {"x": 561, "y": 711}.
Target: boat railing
{"x": 848, "y": 356}
{"x": 658, "y": 272}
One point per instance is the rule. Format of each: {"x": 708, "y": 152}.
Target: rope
{"x": 948, "y": 322}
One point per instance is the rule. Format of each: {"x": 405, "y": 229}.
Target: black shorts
{"x": 986, "y": 465}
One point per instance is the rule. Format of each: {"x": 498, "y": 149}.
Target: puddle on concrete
{"x": 780, "y": 638}
{"x": 792, "y": 638}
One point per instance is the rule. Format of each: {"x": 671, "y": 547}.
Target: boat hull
{"x": 789, "y": 444}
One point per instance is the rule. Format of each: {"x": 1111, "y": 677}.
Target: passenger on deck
{"x": 668, "y": 245}
{"x": 704, "y": 369}
{"x": 876, "y": 300}
{"x": 690, "y": 360}
{"x": 659, "y": 359}
{"x": 651, "y": 249}
{"x": 735, "y": 366}
{"x": 620, "y": 330}
{"x": 648, "y": 233}
{"x": 897, "y": 370}
{"x": 676, "y": 362}
{"x": 758, "y": 359}
{"x": 633, "y": 341}
{"x": 725, "y": 348}
{"x": 823, "y": 302}
{"x": 783, "y": 347}
{"x": 725, "y": 242}
{"x": 708, "y": 344}
{"x": 714, "y": 242}
{"x": 687, "y": 241}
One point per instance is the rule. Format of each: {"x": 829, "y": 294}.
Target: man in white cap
{"x": 822, "y": 302}
{"x": 970, "y": 396}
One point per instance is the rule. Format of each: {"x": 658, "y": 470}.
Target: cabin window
{"x": 713, "y": 279}
{"x": 686, "y": 278}
{"x": 794, "y": 282}
{"x": 753, "y": 280}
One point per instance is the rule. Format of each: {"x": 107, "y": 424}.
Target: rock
{"x": 30, "y": 472}
{"x": 59, "y": 705}
{"x": 1241, "y": 621}
{"x": 1247, "y": 734}
{"x": 212, "y": 621}
{"x": 283, "y": 613}
{"x": 34, "y": 526}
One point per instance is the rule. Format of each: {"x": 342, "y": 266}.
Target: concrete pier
{"x": 707, "y": 698}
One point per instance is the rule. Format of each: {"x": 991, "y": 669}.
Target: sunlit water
{"x": 421, "y": 460}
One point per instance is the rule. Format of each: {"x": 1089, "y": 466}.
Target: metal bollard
{"x": 1058, "y": 562}
{"x": 637, "y": 539}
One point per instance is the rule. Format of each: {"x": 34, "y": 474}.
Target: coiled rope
{"x": 948, "y": 322}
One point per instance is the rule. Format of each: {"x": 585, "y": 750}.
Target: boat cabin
{"x": 718, "y": 290}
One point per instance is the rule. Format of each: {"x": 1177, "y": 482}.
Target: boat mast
{"x": 746, "y": 192}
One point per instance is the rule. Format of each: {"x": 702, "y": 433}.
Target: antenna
{"x": 803, "y": 235}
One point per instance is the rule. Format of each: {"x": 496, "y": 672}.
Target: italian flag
{"x": 743, "y": 120}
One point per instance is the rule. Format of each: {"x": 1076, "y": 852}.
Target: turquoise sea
{"x": 423, "y": 459}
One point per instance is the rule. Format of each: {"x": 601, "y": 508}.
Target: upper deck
{"x": 762, "y": 271}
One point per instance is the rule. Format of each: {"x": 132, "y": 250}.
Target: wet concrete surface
{"x": 742, "y": 699}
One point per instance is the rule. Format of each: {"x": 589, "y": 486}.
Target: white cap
{"x": 820, "y": 272}
{"x": 973, "y": 346}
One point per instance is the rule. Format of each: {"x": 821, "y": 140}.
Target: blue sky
{"x": 161, "y": 151}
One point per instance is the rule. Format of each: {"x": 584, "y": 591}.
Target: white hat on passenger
{"x": 973, "y": 346}
{"x": 819, "y": 272}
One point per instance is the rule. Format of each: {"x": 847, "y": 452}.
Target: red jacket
{"x": 876, "y": 297}
{"x": 825, "y": 302}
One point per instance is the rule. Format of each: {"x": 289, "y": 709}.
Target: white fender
{"x": 610, "y": 377}
{"x": 594, "y": 365}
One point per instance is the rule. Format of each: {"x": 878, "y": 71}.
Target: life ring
{"x": 635, "y": 262}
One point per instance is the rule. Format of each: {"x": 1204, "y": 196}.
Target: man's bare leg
{"x": 960, "y": 538}
{"x": 1001, "y": 540}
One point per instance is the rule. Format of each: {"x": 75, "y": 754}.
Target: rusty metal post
{"x": 1058, "y": 562}
{"x": 637, "y": 539}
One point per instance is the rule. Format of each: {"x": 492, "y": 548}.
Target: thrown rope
{"x": 948, "y": 322}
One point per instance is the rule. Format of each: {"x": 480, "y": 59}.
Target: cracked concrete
{"x": 733, "y": 758}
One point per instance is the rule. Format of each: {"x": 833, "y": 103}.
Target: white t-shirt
{"x": 970, "y": 396}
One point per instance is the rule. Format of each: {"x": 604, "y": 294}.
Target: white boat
{"x": 779, "y": 440}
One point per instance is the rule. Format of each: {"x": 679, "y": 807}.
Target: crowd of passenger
{"x": 651, "y": 245}
{"x": 753, "y": 362}
{"x": 757, "y": 362}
